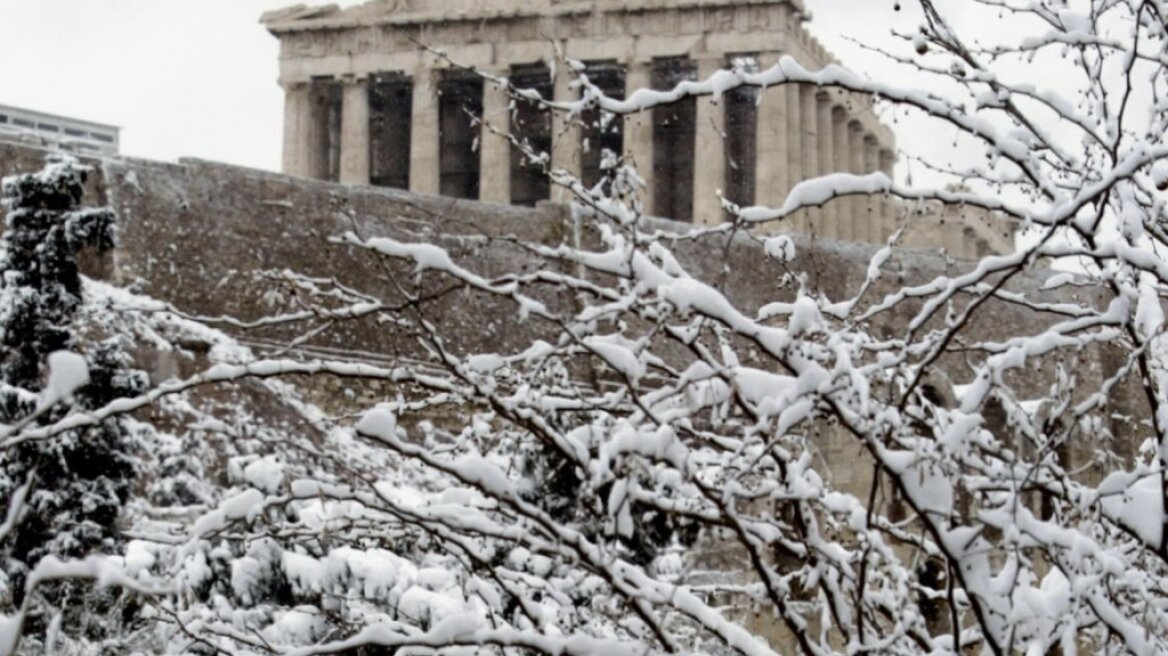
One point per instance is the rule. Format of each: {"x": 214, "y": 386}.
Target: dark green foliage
{"x": 44, "y": 231}
{"x": 559, "y": 491}
{"x": 81, "y": 479}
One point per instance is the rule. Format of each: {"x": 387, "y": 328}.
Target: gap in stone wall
{"x": 460, "y": 101}
{"x": 390, "y": 103}
{"x": 741, "y": 140}
{"x": 602, "y": 130}
{"x": 674, "y": 141}
{"x": 532, "y": 124}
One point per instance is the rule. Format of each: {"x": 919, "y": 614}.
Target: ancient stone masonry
{"x": 341, "y": 125}
{"x": 193, "y": 233}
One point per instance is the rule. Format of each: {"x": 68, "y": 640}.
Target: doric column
{"x": 638, "y": 132}
{"x": 953, "y": 231}
{"x": 355, "y": 132}
{"x": 826, "y": 134}
{"x": 871, "y": 165}
{"x": 798, "y": 223}
{"x": 809, "y": 121}
{"x": 709, "y": 151}
{"x": 565, "y": 134}
{"x": 424, "y": 173}
{"x": 774, "y": 179}
{"x": 297, "y": 125}
{"x": 318, "y": 142}
{"x": 887, "y": 161}
{"x": 888, "y": 204}
{"x": 841, "y": 160}
{"x": 861, "y": 219}
{"x": 495, "y": 149}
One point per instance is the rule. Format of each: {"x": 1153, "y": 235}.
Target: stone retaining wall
{"x": 195, "y": 233}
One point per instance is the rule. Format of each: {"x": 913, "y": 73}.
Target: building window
{"x": 3, "y": 118}
{"x": 48, "y": 127}
{"x": 74, "y": 132}
{"x": 460, "y": 105}
{"x": 741, "y": 139}
{"x": 603, "y": 131}
{"x": 531, "y": 125}
{"x": 102, "y": 137}
{"x": 325, "y": 135}
{"x": 23, "y": 122}
{"x": 391, "y": 103}
{"x": 673, "y": 142}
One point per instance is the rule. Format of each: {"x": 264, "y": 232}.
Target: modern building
{"x": 85, "y": 137}
{"x": 366, "y": 104}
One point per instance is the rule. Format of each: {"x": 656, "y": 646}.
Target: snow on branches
{"x": 659, "y": 468}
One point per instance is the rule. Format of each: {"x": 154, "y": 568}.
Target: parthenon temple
{"x": 367, "y": 105}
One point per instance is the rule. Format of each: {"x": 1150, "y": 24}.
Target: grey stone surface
{"x": 196, "y": 233}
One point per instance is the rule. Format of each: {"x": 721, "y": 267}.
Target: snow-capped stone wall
{"x": 199, "y": 235}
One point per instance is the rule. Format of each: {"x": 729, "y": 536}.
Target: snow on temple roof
{"x": 301, "y": 16}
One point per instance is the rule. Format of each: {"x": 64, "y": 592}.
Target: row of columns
{"x": 802, "y": 131}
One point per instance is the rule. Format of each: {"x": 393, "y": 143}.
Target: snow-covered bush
{"x": 71, "y": 488}
{"x": 653, "y": 472}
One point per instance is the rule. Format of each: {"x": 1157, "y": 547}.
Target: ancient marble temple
{"x": 365, "y": 104}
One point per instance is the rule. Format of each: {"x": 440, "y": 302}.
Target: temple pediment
{"x": 382, "y": 12}
{"x": 375, "y": 9}
{"x": 298, "y": 12}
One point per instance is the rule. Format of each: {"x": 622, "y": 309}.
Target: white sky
{"x": 198, "y": 77}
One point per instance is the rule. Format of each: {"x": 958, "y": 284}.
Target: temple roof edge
{"x": 302, "y": 17}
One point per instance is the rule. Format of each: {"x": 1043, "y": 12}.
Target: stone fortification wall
{"x": 196, "y": 233}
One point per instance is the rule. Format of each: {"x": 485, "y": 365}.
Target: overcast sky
{"x": 198, "y": 77}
